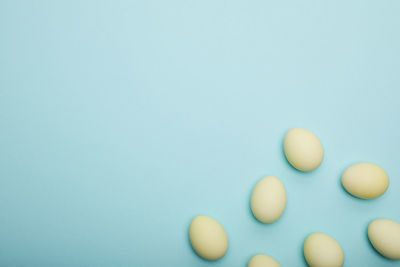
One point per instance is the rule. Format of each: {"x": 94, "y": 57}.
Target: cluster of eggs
{"x": 304, "y": 152}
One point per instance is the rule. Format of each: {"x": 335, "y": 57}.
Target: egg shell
{"x": 303, "y": 149}
{"x": 365, "y": 180}
{"x": 268, "y": 201}
{"x": 384, "y": 235}
{"x": 262, "y": 260}
{"x": 321, "y": 250}
{"x": 208, "y": 238}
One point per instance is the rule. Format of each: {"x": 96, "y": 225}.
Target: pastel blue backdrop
{"x": 122, "y": 120}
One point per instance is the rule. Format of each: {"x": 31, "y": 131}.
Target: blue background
{"x": 122, "y": 120}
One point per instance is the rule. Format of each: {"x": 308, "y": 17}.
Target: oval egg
{"x": 208, "y": 238}
{"x": 384, "y": 236}
{"x": 321, "y": 250}
{"x": 268, "y": 200}
{"x": 303, "y": 149}
{"x": 261, "y": 260}
{"x": 365, "y": 180}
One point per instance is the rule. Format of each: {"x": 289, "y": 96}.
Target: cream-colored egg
{"x": 384, "y": 235}
{"x": 208, "y": 238}
{"x": 268, "y": 201}
{"x": 365, "y": 180}
{"x": 303, "y": 149}
{"x": 321, "y": 250}
{"x": 262, "y": 260}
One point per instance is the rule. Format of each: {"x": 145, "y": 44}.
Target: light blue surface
{"x": 122, "y": 120}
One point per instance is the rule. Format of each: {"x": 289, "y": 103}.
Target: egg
{"x": 365, "y": 180}
{"x": 208, "y": 238}
{"x": 261, "y": 260}
{"x": 384, "y": 236}
{"x": 268, "y": 200}
{"x": 321, "y": 250}
{"x": 303, "y": 149}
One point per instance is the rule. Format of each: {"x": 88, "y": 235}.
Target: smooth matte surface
{"x": 123, "y": 120}
{"x": 384, "y": 236}
{"x": 322, "y": 250}
{"x": 365, "y": 180}
{"x": 208, "y": 238}
{"x": 262, "y": 260}
{"x": 303, "y": 149}
{"x": 268, "y": 199}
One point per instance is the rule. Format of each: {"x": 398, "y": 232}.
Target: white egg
{"x": 261, "y": 260}
{"x": 384, "y": 235}
{"x": 303, "y": 149}
{"x": 365, "y": 180}
{"x": 268, "y": 201}
{"x": 321, "y": 250}
{"x": 208, "y": 238}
